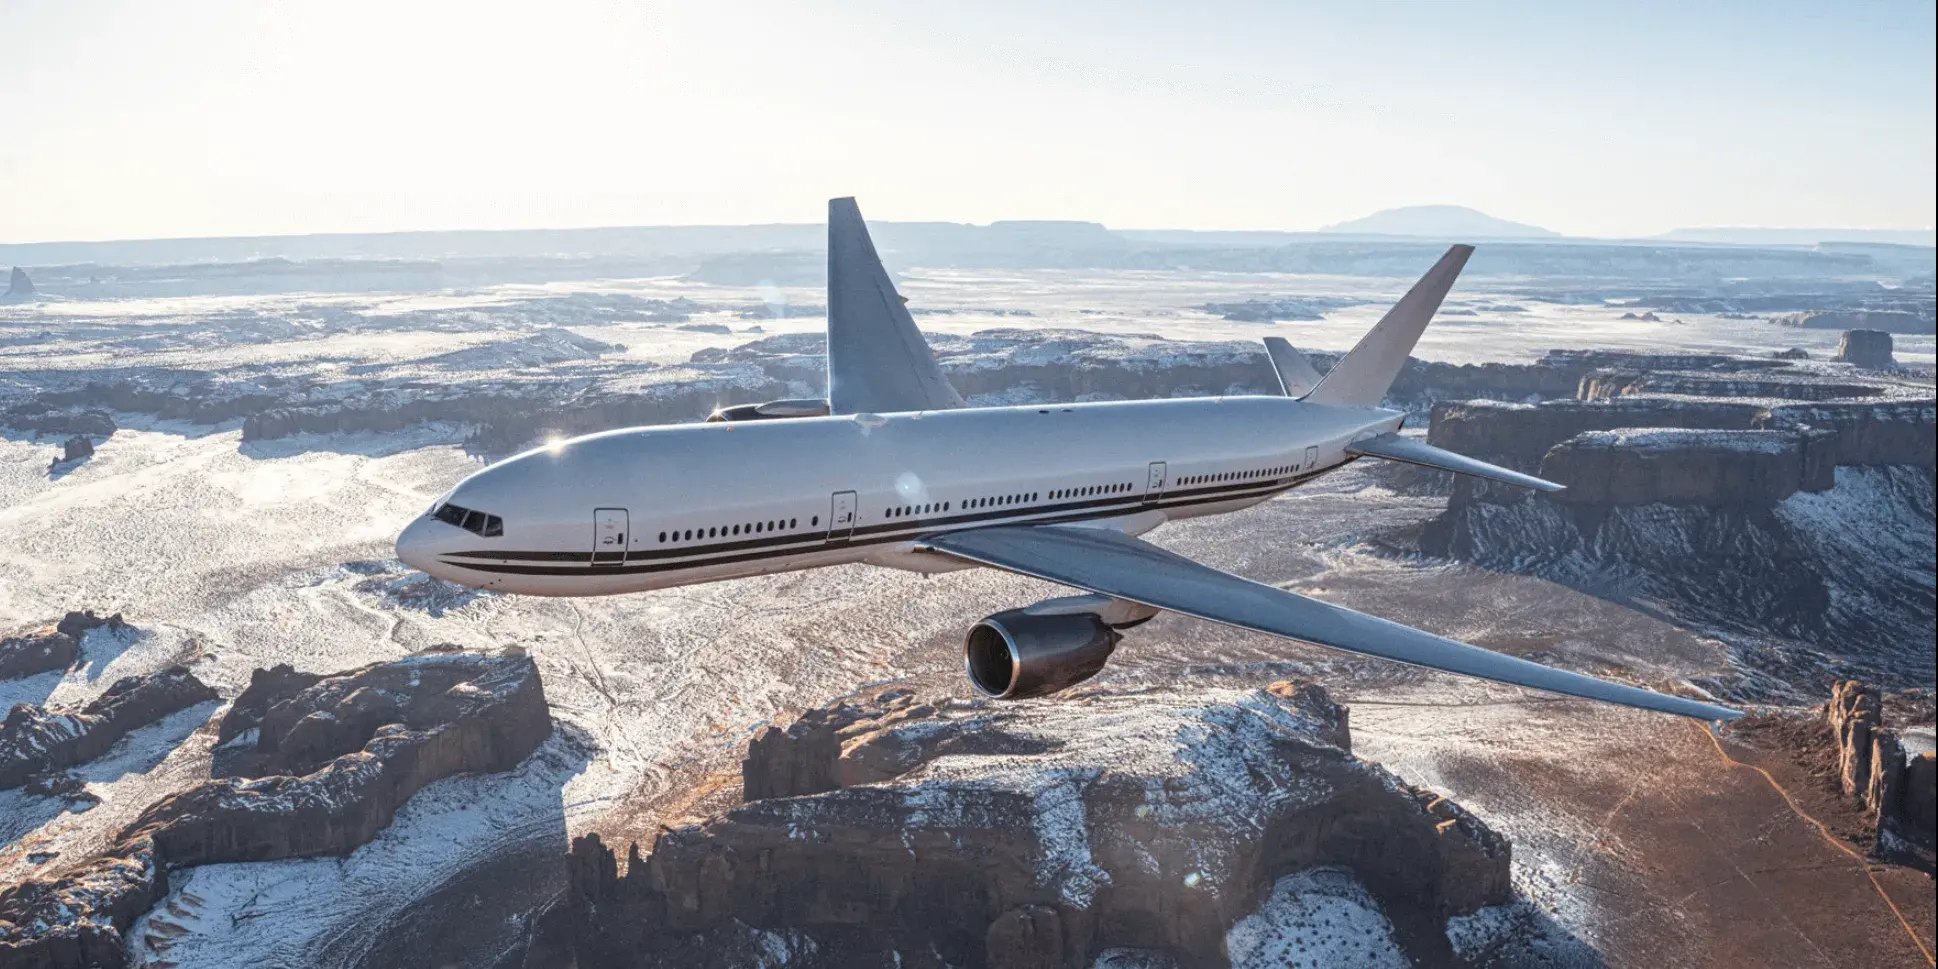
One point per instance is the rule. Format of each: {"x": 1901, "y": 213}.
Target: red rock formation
{"x": 35, "y": 740}
{"x": 446, "y": 714}
{"x": 341, "y": 756}
{"x": 266, "y": 688}
{"x": 36, "y": 651}
{"x": 1031, "y": 836}
{"x": 1897, "y": 791}
{"x": 51, "y": 647}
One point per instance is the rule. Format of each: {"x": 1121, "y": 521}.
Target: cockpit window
{"x": 470, "y": 519}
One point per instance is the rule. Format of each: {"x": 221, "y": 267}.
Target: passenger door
{"x": 841, "y": 516}
{"x": 609, "y": 528}
{"x": 1154, "y": 486}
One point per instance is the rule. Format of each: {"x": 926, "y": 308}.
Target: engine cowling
{"x": 1015, "y": 655}
{"x": 772, "y": 410}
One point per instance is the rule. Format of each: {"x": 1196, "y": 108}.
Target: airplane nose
{"x": 414, "y": 545}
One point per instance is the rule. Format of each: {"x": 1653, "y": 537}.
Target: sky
{"x": 126, "y": 119}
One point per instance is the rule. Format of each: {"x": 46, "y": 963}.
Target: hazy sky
{"x": 123, "y": 119}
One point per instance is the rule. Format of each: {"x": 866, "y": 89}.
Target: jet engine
{"x": 1019, "y": 654}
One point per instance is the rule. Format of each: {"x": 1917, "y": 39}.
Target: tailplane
{"x": 1296, "y": 374}
{"x": 1361, "y": 378}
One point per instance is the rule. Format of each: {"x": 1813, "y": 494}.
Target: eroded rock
{"x": 1870, "y": 349}
{"x": 1874, "y": 768}
{"x": 1035, "y": 835}
{"x": 35, "y": 740}
{"x": 445, "y": 714}
{"x": 338, "y": 758}
{"x": 36, "y": 651}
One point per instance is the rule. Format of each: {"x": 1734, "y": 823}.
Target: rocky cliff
{"x": 1898, "y": 788}
{"x": 1643, "y": 466}
{"x": 54, "y": 646}
{"x": 897, "y": 829}
{"x": 1888, "y": 431}
{"x": 36, "y": 740}
{"x": 334, "y": 758}
{"x": 1822, "y": 584}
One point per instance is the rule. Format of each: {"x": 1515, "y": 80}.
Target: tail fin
{"x": 1296, "y": 376}
{"x": 877, "y": 358}
{"x": 1361, "y": 378}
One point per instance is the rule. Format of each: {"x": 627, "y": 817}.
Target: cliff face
{"x": 1898, "y": 789}
{"x": 1641, "y": 466}
{"x": 1032, "y": 835}
{"x": 336, "y": 757}
{"x": 1840, "y": 580}
{"x": 1867, "y": 432}
{"x": 1861, "y": 432}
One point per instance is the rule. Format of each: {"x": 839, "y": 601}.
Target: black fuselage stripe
{"x": 802, "y": 545}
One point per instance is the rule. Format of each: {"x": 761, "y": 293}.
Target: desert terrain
{"x": 264, "y": 447}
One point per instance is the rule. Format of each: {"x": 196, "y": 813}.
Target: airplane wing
{"x": 1122, "y": 567}
{"x": 1408, "y": 450}
{"x": 878, "y": 361}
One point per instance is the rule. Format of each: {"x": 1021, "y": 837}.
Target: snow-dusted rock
{"x": 1842, "y": 577}
{"x": 337, "y": 759}
{"x": 1678, "y": 466}
{"x": 35, "y": 740}
{"x": 355, "y": 746}
{"x": 34, "y": 651}
{"x": 1038, "y": 834}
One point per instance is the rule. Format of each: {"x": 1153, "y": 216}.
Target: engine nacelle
{"x": 1014, "y": 655}
{"x": 772, "y": 410}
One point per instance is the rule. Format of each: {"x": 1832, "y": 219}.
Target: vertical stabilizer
{"x": 1296, "y": 374}
{"x": 877, "y": 359}
{"x": 1361, "y": 378}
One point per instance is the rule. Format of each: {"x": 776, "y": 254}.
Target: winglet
{"x": 878, "y": 361}
{"x": 1296, "y": 374}
{"x": 1409, "y": 450}
{"x": 1361, "y": 378}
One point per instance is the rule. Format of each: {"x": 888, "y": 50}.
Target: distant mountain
{"x": 1755, "y": 236}
{"x": 1440, "y": 222}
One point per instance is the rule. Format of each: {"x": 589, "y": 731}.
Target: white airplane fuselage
{"x": 655, "y": 507}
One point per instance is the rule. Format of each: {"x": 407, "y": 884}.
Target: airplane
{"x": 894, "y": 469}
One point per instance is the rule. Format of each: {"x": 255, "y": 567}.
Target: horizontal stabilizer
{"x": 1297, "y": 376}
{"x": 1117, "y": 565}
{"x": 1393, "y": 447}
